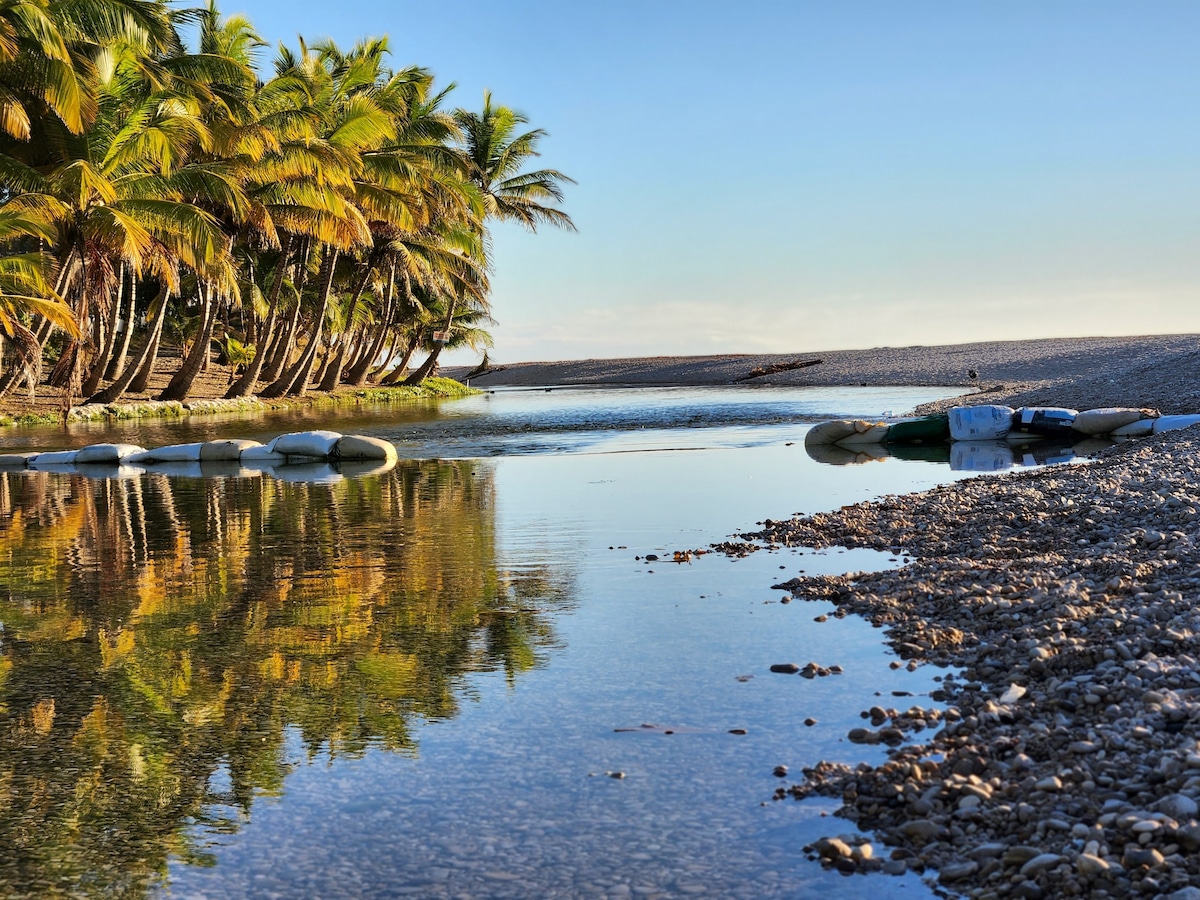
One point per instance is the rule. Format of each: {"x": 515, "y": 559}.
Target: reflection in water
{"x": 161, "y": 636}
{"x": 962, "y": 456}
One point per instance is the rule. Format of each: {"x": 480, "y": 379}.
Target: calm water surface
{"x": 411, "y": 684}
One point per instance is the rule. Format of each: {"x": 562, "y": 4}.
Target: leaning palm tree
{"x": 25, "y": 290}
{"x": 493, "y": 154}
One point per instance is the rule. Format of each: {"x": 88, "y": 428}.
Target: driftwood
{"x": 779, "y": 367}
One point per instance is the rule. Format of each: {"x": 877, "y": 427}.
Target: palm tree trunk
{"x": 385, "y": 352}
{"x": 280, "y": 350}
{"x": 357, "y": 375}
{"x": 145, "y": 354}
{"x": 146, "y": 369}
{"x": 104, "y": 355}
{"x": 368, "y": 353}
{"x": 117, "y": 363}
{"x": 333, "y": 370}
{"x": 285, "y": 343}
{"x": 397, "y": 374}
{"x": 245, "y": 385}
{"x": 426, "y": 367}
{"x": 181, "y": 383}
{"x": 294, "y": 381}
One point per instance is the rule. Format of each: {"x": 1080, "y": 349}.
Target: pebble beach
{"x": 1063, "y": 756}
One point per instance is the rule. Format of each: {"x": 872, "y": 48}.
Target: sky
{"x": 774, "y": 177}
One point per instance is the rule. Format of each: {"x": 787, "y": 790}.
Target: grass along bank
{"x": 429, "y": 389}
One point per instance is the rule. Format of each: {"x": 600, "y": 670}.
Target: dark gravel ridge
{"x": 1092, "y": 367}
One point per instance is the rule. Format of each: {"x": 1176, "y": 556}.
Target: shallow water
{"x": 412, "y": 683}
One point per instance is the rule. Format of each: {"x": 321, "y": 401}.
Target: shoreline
{"x": 431, "y": 388}
{"x": 1068, "y": 760}
{"x": 1160, "y": 371}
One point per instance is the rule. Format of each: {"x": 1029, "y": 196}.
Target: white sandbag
{"x": 1174, "y": 423}
{"x": 55, "y": 458}
{"x": 16, "y": 460}
{"x": 170, "y": 453}
{"x": 980, "y": 423}
{"x": 865, "y": 433}
{"x": 107, "y": 453}
{"x": 261, "y": 455}
{"x": 1140, "y": 428}
{"x": 317, "y": 444}
{"x": 980, "y": 456}
{"x": 354, "y": 446}
{"x": 228, "y": 451}
{"x": 360, "y": 468}
{"x": 307, "y": 473}
{"x": 829, "y": 432}
{"x": 1108, "y": 419}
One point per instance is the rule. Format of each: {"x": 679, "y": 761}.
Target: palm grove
{"x": 325, "y": 225}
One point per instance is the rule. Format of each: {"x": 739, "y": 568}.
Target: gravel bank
{"x": 1084, "y": 373}
{"x": 1068, "y": 762}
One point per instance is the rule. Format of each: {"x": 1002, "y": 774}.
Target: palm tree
{"x": 135, "y": 174}
{"x": 493, "y": 154}
{"x": 24, "y": 287}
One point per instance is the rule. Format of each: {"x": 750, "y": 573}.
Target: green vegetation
{"x": 429, "y": 389}
{"x": 312, "y": 228}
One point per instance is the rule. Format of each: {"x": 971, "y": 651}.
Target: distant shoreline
{"x": 1162, "y": 371}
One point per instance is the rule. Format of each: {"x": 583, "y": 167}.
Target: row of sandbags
{"x": 297, "y": 448}
{"x": 984, "y": 423}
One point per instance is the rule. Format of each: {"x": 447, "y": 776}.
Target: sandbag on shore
{"x": 225, "y": 451}
{"x": 827, "y": 433}
{"x": 1140, "y": 428}
{"x": 980, "y": 423}
{"x": 1109, "y": 419}
{"x": 317, "y": 444}
{"x": 1173, "y": 423}
{"x": 54, "y": 458}
{"x": 107, "y": 453}
{"x": 170, "y": 453}
{"x": 261, "y": 456}
{"x": 845, "y": 431}
{"x": 354, "y": 446}
{"x": 1048, "y": 421}
{"x": 866, "y": 433}
{"x": 925, "y": 430}
{"x": 17, "y": 460}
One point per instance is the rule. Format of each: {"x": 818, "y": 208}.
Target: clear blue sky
{"x": 773, "y": 176}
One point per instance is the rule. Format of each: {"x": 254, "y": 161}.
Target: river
{"x": 436, "y": 682}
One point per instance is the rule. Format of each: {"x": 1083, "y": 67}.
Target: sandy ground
{"x": 1161, "y": 371}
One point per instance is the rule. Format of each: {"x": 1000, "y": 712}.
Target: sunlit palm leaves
{"x": 344, "y": 179}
